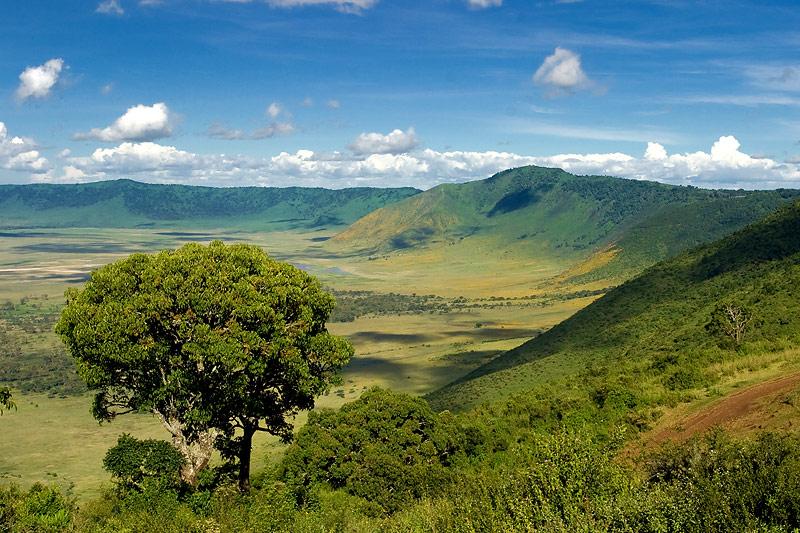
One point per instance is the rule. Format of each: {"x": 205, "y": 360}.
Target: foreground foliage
{"x": 386, "y": 447}
{"x": 217, "y": 341}
{"x": 560, "y": 482}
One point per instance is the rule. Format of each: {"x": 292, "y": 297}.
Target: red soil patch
{"x": 735, "y": 408}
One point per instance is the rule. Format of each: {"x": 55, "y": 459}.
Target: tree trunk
{"x": 245, "y": 450}
{"x": 196, "y": 453}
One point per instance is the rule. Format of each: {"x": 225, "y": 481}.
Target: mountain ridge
{"x": 128, "y": 203}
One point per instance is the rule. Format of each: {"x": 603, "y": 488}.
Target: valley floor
{"x": 475, "y": 317}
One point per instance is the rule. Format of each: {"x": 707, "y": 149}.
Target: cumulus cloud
{"x": 138, "y": 123}
{"x": 562, "y": 72}
{"x": 20, "y": 154}
{"x": 334, "y": 104}
{"x": 110, "y": 7}
{"x": 725, "y": 165}
{"x": 483, "y": 4}
{"x": 38, "y": 82}
{"x": 395, "y": 142}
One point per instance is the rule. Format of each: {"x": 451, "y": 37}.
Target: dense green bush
{"x": 41, "y": 509}
{"x": 731, "y": 485}
{"x": 134, "y": 463}
{"x": 386, "y": 447}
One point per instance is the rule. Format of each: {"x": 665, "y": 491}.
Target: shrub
{"x": 386, "y": 447}
{"x": 133, "y": 463}
{"x": 42, "y": 509}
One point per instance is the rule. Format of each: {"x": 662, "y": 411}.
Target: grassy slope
{"x": 548, "y": 212}
{"x": 648, "y": 336}
{"x": 125, "y": 203}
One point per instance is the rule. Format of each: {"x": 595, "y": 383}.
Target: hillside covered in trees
{"x": 127, "y": 204}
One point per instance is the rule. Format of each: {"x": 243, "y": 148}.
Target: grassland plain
{"x": 415, "y": 351}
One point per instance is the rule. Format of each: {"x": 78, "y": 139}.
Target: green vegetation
{"x": 42, "y": 509}
{"x": 548, "y": 482}
{"x": 31, "y": 358}
{"x": 135, "y": 464}
{"x": 212, "y": 340}
{"x": 127, "y": 204}
{"x": 542, "y": 437}
{"x": 539, "y": 211}
{"x": 6, "y": 400}
{"x": 647, "y": 339}
{"x": 385, "y": 447}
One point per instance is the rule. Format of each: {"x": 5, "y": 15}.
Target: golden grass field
{"x": 56, "y": 439}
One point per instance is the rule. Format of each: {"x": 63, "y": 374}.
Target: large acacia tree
{"x": 219, "y": 342}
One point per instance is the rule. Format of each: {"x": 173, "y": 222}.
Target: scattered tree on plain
{"x": 6, "y": 400}
{"x": 219, "y": 342}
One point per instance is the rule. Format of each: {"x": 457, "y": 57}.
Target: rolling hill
{"x": 127, "y": 204}
{"x": 648, "y": 337}
{"x": 546, "y": 212}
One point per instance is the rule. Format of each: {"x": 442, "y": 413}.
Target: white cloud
{"x": 655, "y": 152}
{"x": 138, "y": 157}
{"x": 107, "y": 89}
{"x": 37, "y": 82}
{"x": 334, "y": 104}
{"x": 562, "y": 72}
{"x": 395, "y": 142}
{"x": 483, "y": 4}
{"x": 307, "y": 102}
{"x": 725, "y": 165}
{"x": 345, "y": 6}
{"x": 20, "y": 154}
{"x": 110, "y": 7}
{"x": 273, "y": 110}
{"x": 138, "y": 123}
{"x": 274, "y": 129}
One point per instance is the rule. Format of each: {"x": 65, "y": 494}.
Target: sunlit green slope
{"x": 649, "y": 335}
{"x": 549, "y": 211}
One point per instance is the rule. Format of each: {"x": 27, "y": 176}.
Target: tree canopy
{"x": 386, "y": 447}
{"x": 217, "y": 341}
{"x": 6, "y": 401}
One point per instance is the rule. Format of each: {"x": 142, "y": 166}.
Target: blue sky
{"x": 378, "y": 92}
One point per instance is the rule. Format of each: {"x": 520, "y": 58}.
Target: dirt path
{"x": 730, "y": 409}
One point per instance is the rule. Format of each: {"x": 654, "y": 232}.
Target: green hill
{"x": 542, "y": 211}
{"x": 648, "y": 337}
{"x": 125, "y": 204}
